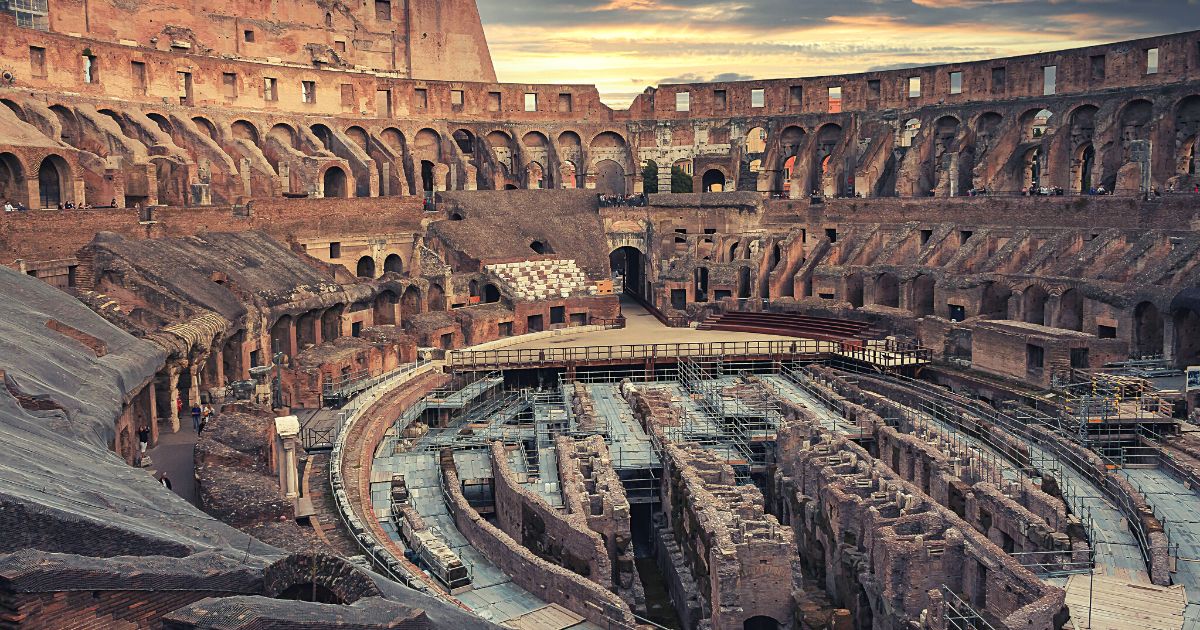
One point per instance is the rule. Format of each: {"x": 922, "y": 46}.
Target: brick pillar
{"x": 316, "y": 336}
{"x": 1053, "y": 306}
{"x": 194, "y": 391}
{"x": 664, "y": 178}
{"x": 219, "y": 372}
{"x": 289, "y": 345}
{"x": 1168, "y": 349}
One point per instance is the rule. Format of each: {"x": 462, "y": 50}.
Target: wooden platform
{"x": 1119, "y": 604}
{"x": 552, "y": 617}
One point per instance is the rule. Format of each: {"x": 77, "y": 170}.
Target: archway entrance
{"x": 426, "y": 176}
{"x": 1147, "y": 331}
{"x": 1070, "y": 310}
{"x": 760, "y": 622}
{"x": 627, "y": 265}
{"x": 887, "y": 290}
{"x": 923, "y": 295}
{"x": 12, "y": 179}
{"x": 393, "y": 264}
{"x": 366, "y": 267}
{"x": 713, "y": 181}
{"x": 610, "y": 178}
{"x": 1187, "y": 337}
{"x": 334, "y": 182}
{"x": 1034, "y": 305}
{"x": 52, "y": 182}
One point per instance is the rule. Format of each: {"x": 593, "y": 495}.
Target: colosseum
{"x": 309, "y": 322}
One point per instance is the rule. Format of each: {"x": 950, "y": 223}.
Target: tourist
{"x": 164, "y": 480}
{"x": 9, "y": 207}
{"x": 144, "y": 437}
{"x": 196, "y": 411}
{"x": 113, "y": 203}
{"x": 208, "y": 415}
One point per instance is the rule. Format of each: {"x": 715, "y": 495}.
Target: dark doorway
{"x": 335, "y": 182}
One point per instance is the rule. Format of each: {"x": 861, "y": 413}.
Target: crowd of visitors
{"x": 611, "y": 201}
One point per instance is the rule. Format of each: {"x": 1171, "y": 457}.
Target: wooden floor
{"x": 1119, "y": 604}
{"x": 552, "y": 617}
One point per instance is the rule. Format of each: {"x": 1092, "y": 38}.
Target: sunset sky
{"x": 624, "y": 46}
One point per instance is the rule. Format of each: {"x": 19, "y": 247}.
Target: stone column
{"x": 290, "y": 343}
{"x": 287, "y": 430}
{"x": 173, "y": 383}
{"x": 1168, "y": 349}
{"x": 664, "y": 178}
{"x": 1053, "y": 306}
{"x": 194, "y": 390}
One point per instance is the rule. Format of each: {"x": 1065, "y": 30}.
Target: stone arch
{"x": 244, "y": 130}
{"x": 281, "y": 332}
{"x": 826, "y": 172}
{"x": 628, "y": 263}
{"x": 437, "y": 297}
{"x": 68, "y": 124}
{"x": 16, "y": 109}
{"x": 465, "y": 141}
{"x": 1033, "y": 304}
{"x": 207, "y": 127}
{"x": 336, "y": 580}
{"x": 535, "y": 175}
{"x": 164, "y": 124}
{"x": 393, "y": 138}
{"x": 760, "y": 622}
{"x": 385, "y": 308}
{"x": 612, "y": 146}
{"x": 569, "y": 174}
{"x": 284, "y": 134}
{"x": 324, "y": 134}
{"x": 54, "y": 181}
{"x": 713, "y": 180}
{"x": 1082, "y": 123}
{"x": 1035, "y": 124}
{"x": 1070, "y": 310}
{"x": 410, "y": 302}
{"x": 172, "y": 180}
{"x": 887, "y": 290}
{"x": 923, "y": 295}
{"x": 610, "y": 178}
{"x": 491, "y": 293}
{"x": 365, "y": 267}
{"x": 331, "y": 322}
{"x": 427, "y": 145}
{"x": 569, "y": 140}
{"x": 334, "y": 183}
{"x": 359, "y": 136}
{"x": 756, "y": 141}
{"x": 393, "y": 264}
{"x": 1187, "y": 133}
{"x": 12, "y": 179}
{"x": 535, "y": 140}
{"x": 1147, "y": 331}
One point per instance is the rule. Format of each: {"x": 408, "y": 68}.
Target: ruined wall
{"x": 563, "y": 539}
{"x": 547, "y": 581}
{"x": 591, "y": 487}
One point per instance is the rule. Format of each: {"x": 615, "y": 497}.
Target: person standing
{"x": 196, "y": 418}
{"x": 205, "y": 417}
{"x": 144, "y": 438}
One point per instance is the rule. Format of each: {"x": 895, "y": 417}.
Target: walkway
{"x": 1175, "y": 504}
{"x": 173, "y": 455}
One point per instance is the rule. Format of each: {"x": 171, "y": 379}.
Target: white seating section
{"x": 542, "y": 279}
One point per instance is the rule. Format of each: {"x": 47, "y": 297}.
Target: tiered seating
{"x": 541, "y": 279}
{"x": 790, "y": 324}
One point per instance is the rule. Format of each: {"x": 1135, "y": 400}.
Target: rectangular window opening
{"x": 566, "y": 103}
{"x": 831, "y": 234}
{"x": 339, "y": 46}
{"x": 531, "y": 102}
{"x": 1049, "y": 80}
{"x": 383, "y": 10}
{"x": 185, "y": 88}
{"x": 308, "y": 92}
{"x": 720, "y": 100}
{"x": 383, "y": 103}
{"x": 229, "y": 85}
{"x": 1035, "y": 357}
{"x": 998, "y": 79}
{"x": 494, "y": 102}
{"x": 348, "y": 100}
{"x": 138, "y": 70}
{"x": 91, "y": 70}
{"x": 1152, "y": 61}
{"x": 835, "y": 100}
{"x": 874, "y": 89}
{"x": 420, "y": 98}
{"x": 37, "y": 61}
{"x": 758, "y": 98}
{"x": 457, "y": 98}
{"x": 956, "y": 83}
{"x": 1099, "y": 67}
{"x": 270, "y": 92}
{"x": 796, "y": 97}
{"x": 248, "y": 36}
{"x": 683, "y": 101}
{"x": 914, "y": 87}
{"x": 335, "y": 250}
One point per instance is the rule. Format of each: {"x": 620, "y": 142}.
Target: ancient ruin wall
{"x": 547, "y": 581}
{"x": 561, "y": 538}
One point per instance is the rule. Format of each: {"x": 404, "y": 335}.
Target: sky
{"x": 625, "y": 46}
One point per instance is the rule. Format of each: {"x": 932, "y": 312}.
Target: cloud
{"x": 616, "y": 44}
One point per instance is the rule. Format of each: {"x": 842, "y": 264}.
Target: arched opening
{"x": 1070, "y": 310}
{"x": 713, "y": 181}
{"x": 359, "y": 136}
{"x": 1033, "y": 305}
{"x": 569, "y": 175}
{"x": 1032, "y": 163}
{"x": 491, "y": 294}
{"x": 53, "y": 182}
{"x": 331, "y": 322}
{"x": 700, "y": 278}
{"x": 610, "y": 178}
{"x": 1087, "y": 161}
{"x": 385, "y": 308}
{"x": 541, "y": 247}
{"x": 12, "y": 179}
{"x": 756, "y": 141}
{"x": 281, "y": 335}
{"x": 826, "y": 179}
{"x": 393, "y": 264}
{"x": 760, "y": 622}
{"x": 324, "y": 135}
{"x": 854, "y": 290}
{"x": 887, "y": 290}
{"x": 310, "y": 592}
{"x": 650, "y": 183}
{"x": 410, "y": 302}
{"x": 465, "y": 141}
{"x": 427, "y": 176}
{"x": 535, "y": 176}
{"x": 244, "y": 130}
{"x": 994, "y": 302}
{"x": 456, "y": 216}
{"x": 206, "y": 127}
{"x": 366, "y": 267}
{"x": 437, "y": 297}
{"x": 334, "y": 182}
{"x": 1037, "y": 126}
{"x": 923, "y": 292}
{"x": 1187, "y": 337}
{"x": 1187, "y": 135}
{"x": 1147, "y": 331}
{"x": 627, "y": 267}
